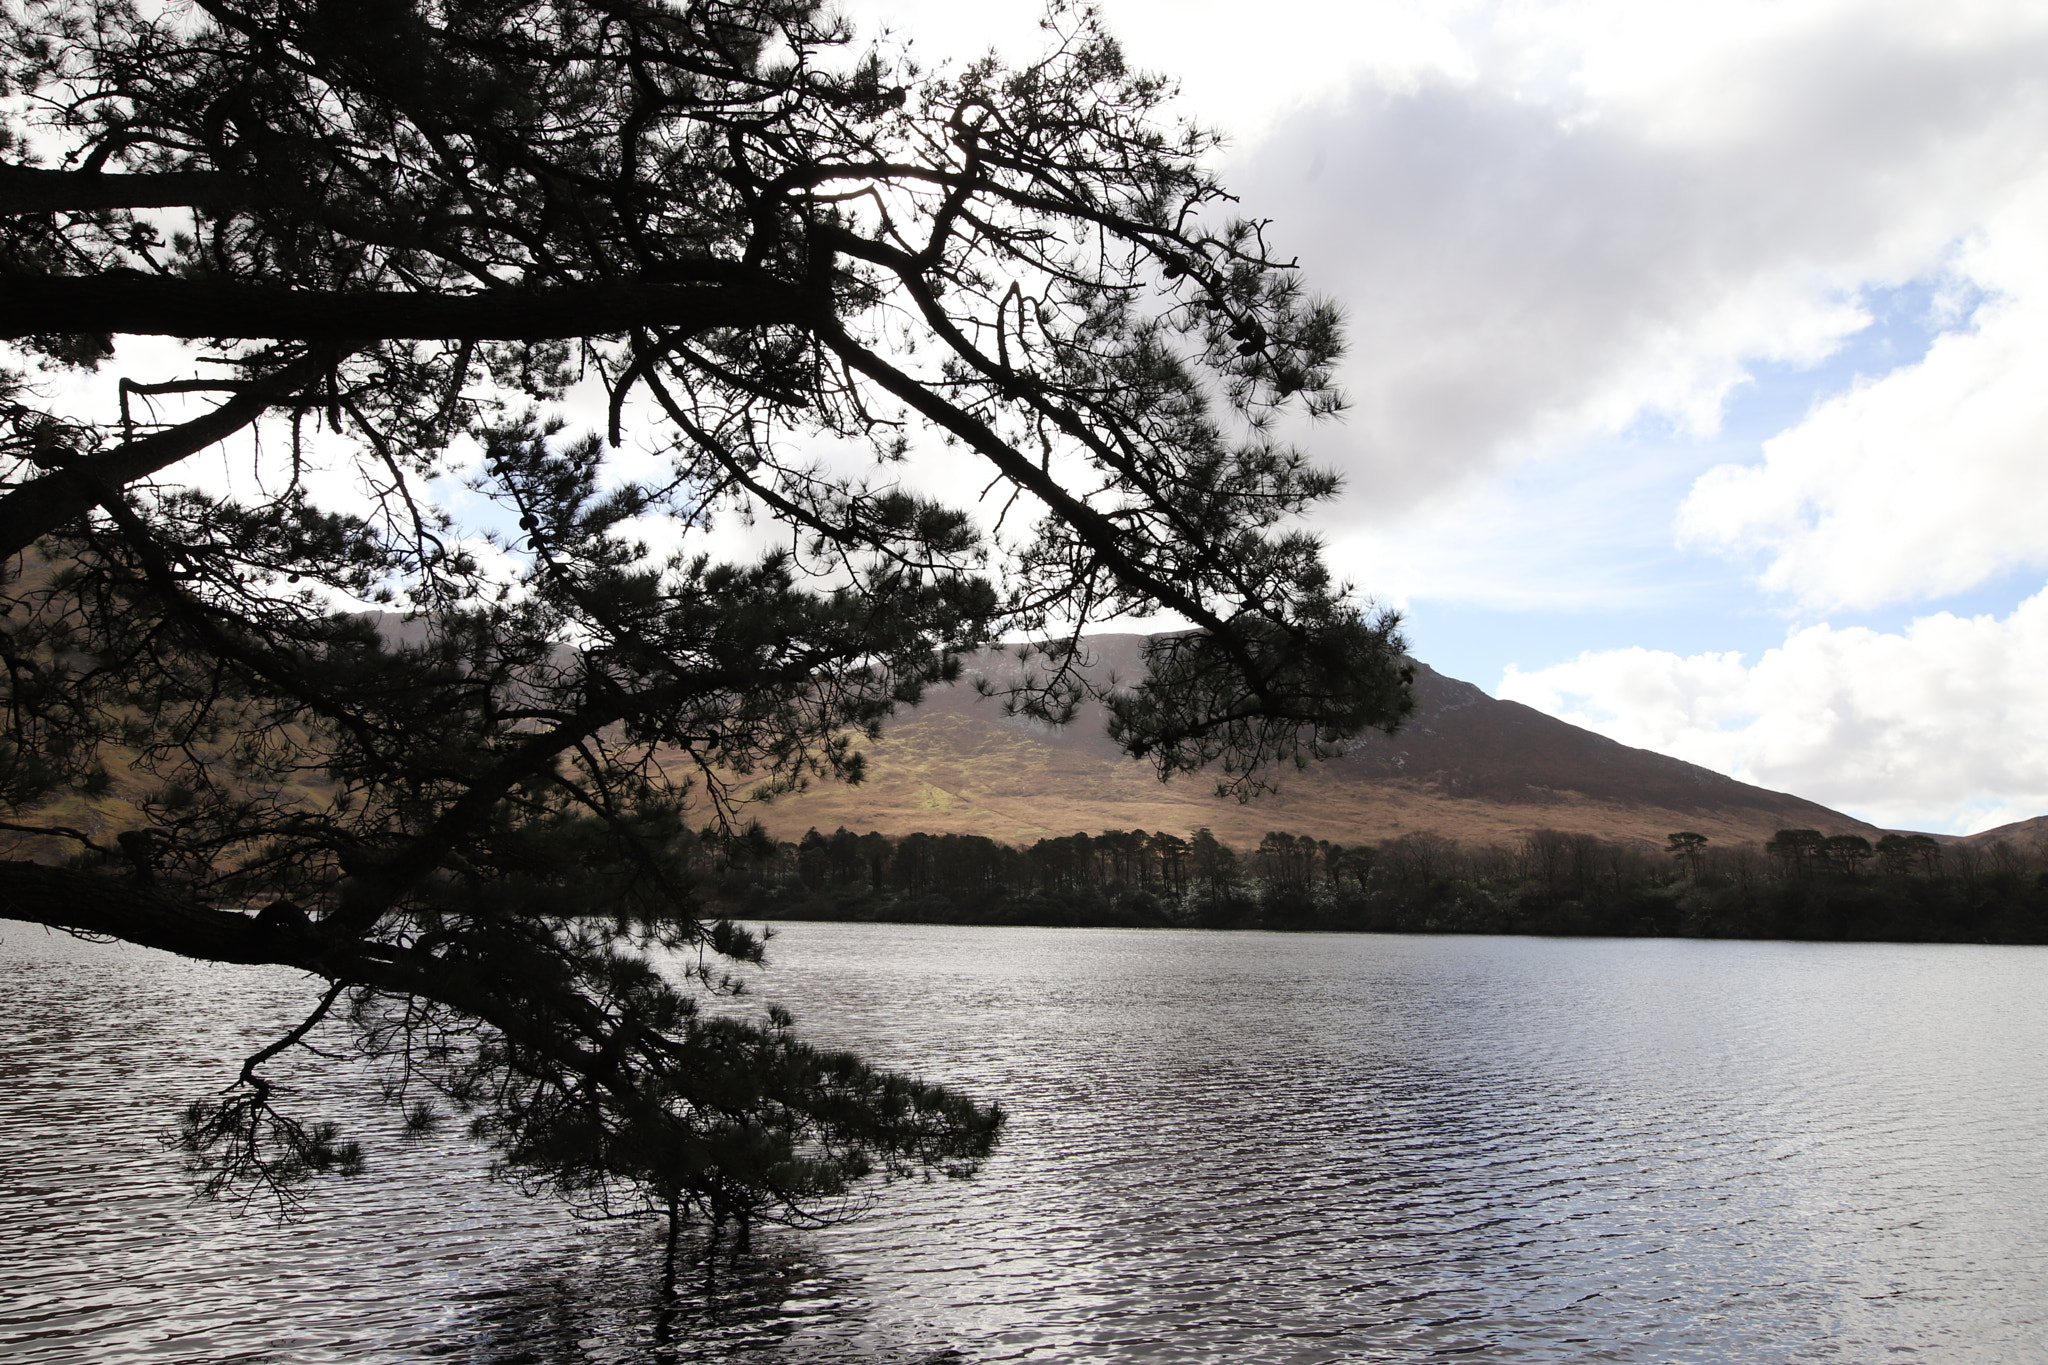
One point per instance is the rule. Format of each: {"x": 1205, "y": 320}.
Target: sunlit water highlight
{"x": 1223, "y": 1147}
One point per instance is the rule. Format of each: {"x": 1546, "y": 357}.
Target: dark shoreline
{"x": 1554, "y": 886}
{"x": 1834, "y": 923}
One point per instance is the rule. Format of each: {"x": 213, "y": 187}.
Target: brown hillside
{"x": 1465, "y": 765}
{"x": 2022, "y": 834}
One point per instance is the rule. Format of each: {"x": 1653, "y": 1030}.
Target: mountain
{"x": 1465, "y": 765}
{"x": 2020, "y": 834}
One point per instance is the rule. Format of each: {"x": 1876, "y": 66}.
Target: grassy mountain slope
{"x": 2021, "y": 834}
{"x": 1465, "y": 765}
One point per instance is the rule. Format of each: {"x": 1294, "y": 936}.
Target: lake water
{"x": 1223, "y": 1147}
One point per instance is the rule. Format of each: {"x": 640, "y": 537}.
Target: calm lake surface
{"x": 1223, "y": 1147}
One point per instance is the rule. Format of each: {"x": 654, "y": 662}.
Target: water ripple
{"x": 1224, "y": 1147}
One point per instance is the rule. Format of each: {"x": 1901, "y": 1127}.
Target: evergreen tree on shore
{"x": 395, "y": 240}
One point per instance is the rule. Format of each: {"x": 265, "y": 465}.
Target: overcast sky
{"x": 1699, "y": 356}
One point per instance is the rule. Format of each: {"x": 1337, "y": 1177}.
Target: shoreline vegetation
{"x": 1800, "y": 885}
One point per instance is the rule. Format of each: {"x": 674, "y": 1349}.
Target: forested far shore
{"x": 1802, "y": 884}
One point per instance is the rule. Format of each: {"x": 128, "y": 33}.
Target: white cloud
{"x": 1547, "y": 249}
{"x": 1928, "y": 481}
{"x": 1908, "y": 730}
{"x": 1236, "y": 70}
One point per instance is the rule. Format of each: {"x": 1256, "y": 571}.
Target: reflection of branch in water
{"x": 737, "y": 1290}
{"x": 617, "y": 1291}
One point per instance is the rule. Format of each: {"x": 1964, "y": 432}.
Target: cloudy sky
{"x": 1700, "y": 355}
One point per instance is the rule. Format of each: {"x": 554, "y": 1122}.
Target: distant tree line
{"x": 1800, "y": 884}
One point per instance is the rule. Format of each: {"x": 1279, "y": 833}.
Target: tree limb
{"x": 42, "y": 505}
{"x": 115, "y": 907}
{"x": 146, "y": 305}
{"x": 34, "y": 189}
{"x": 94, "y": 903}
